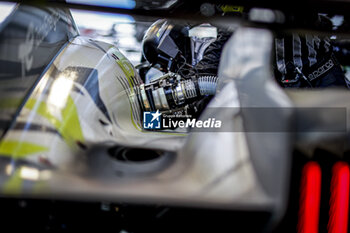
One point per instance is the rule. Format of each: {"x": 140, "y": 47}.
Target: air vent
{"x": 134, "y": 155}
{"x": 138, "y": 161}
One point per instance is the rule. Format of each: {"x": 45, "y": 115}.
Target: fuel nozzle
{"x": 171, "y": 91}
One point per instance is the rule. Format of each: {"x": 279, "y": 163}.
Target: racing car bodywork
{"x": 71, "y": 123}
{"x": 83, "y": 108}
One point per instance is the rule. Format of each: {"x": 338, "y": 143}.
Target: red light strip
{"x": 310, "y": 196}
{"x": 339, "y": 202}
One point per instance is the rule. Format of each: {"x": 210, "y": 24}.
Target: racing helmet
{"x": 163, "y": 43}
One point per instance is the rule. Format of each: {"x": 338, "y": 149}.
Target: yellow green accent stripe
{"x": 230, "y": 8}
{"x": 42, "y": 109}
{"x": 69, "y": 127}
{"x": 19, "y": 149}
